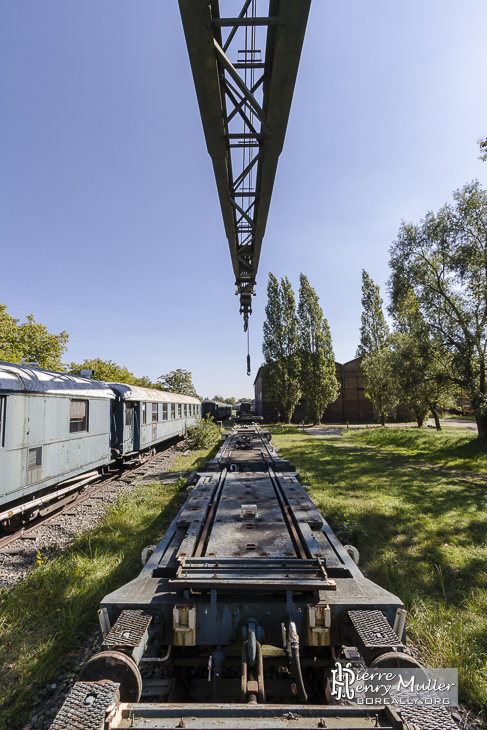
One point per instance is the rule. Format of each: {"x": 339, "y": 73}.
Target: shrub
{"x": 203, "y": 434}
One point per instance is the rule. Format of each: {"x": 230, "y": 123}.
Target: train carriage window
{"x": 128, "y": 413}
{"x": 155, "y": 415}
{"x": 144, "y": 412}
{"x": 185, "y": 410}
{"x": 34, "y": 458}
{"x": 78, "y": 416}
{"x": 172, "y": 410}
{"x": 164, "y": 411}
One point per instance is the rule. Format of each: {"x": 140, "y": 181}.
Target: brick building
{"x": 351, "y": 404}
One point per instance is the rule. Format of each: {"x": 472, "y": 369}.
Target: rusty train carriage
{"x": 240, "y": 612}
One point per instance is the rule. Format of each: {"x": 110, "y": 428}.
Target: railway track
{"x": 240, "y": 613}
{"x": 18, "y": 549}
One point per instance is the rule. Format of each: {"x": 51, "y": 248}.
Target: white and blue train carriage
{"x": 53, "y": 427}
{"x": 56, "y": 427}
{"x": 144, "y": 417}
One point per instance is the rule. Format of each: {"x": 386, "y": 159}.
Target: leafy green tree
{"x": 319, "y": 385}
{"x": 30, "y": 340}
{"x": 109, "y": 372}
{"x": 444, "y": 260}
{"x": 375, "y": 351}
{"x": 230, "y": 401}
{"x": 281, "y": 347}
{"x": 10, "y": 350}
{"x": 420, "y": 363}
{"x": 483, "y": 149}
{"x": 178, "y": 381}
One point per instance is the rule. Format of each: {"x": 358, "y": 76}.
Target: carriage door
{"x": 128, "y": 429}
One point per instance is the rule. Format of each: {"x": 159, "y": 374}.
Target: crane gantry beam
{"x": 244, "y": 70}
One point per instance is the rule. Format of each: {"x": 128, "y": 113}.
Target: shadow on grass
{"x": 421, "y": 533}
{"x": 433, "y": 526}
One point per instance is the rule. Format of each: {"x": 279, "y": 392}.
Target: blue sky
{"x": 110, "y": 224}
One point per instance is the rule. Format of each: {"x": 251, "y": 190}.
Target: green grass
{"x": 421, "y": 532}
{"x": 458, "y": 449}
{"x": 46, "y": 616}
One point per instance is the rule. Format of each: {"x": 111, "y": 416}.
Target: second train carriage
{"x": 143, "y": 417}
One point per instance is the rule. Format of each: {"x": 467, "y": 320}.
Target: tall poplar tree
{"x": 375, "y": 351}
{"x": 319, "y": 385}
{"x": 281, "y": 347}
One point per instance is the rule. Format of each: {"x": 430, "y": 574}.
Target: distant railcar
{"x": 219, "y": 411}
{"x": 55, "y": 427}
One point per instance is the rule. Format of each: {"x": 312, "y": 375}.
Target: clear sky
{"x": 110, "y": 223}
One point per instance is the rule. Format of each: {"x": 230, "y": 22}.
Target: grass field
{"x": 46, "y": 616}
{"x": 420, "y": 525}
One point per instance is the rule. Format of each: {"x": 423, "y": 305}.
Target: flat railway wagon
{"x": 240, "y": 613}
{"x": 57, "y": 428}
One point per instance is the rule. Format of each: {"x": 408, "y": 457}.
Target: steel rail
{"x": 106, "y": 479}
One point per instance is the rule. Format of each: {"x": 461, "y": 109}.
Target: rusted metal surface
{"x": 207, "y": 716}
{"x": 259, "y": 532}
{"x": 86, "y": 706}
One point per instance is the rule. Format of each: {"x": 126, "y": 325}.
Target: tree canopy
{"x": 110, "y": 372}
{"x": 420, "y": 362}
{"x": 30, "y": 340}
{"x": 443, "y": 259}
{"x": 281, "y": 347}
{"x": 375, "y": 351}
{"x": 178, "y": 381}
{"x": 318, "y": 381}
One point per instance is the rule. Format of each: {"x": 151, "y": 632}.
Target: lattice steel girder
{"x": 219, "y": 79}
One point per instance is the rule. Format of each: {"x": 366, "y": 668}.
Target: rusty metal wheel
{"x": 117, "y": 667}
{"x": 395, "y": 659}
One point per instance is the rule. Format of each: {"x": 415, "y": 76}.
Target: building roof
{"x": 29, "y": 379}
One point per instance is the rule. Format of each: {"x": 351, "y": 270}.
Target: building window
{"x": 34, "y": 458}
{"x": 155, "y": 416}
{"x": 164, "y": 411}
{"x": 78, "y": 416}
